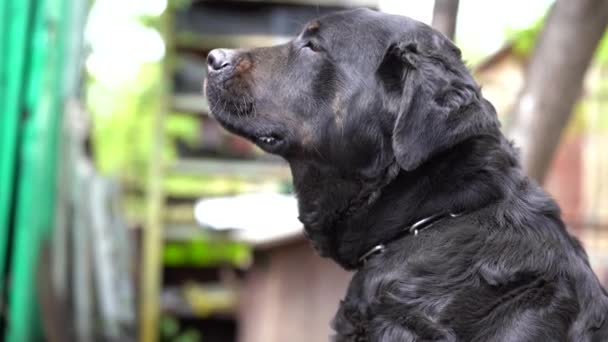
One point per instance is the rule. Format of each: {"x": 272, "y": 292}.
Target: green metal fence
{"x": 38, "y": 51}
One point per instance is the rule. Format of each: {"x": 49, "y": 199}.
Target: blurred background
{"x": 127, "y": 213}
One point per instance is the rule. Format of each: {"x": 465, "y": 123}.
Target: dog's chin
{"x": 241, "y": 118}
{"x": 270, "y": 140}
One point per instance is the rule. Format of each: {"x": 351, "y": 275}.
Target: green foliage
{"x": 170, "y": 331}
{"x": 525, "y": 40}
{"x": 169, "y": 327}
{"x": 122, "y": 122}
{"x": 177, "y": 4}
{"x": 122, "y": 126}
{"x": 205, "y": 252}
{"x": 184, "y": 126}
{"x": 205, "y": 185}
{"x": 601, "y": 54}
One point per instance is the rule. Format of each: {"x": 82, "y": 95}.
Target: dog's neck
{"x": 413, "y": 229}
{"x": 467, "y": 177}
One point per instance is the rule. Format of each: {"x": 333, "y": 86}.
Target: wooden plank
{"x": 342, "y": 3}
{"x": 209, "y": 41}
{"x": 190, "y": 104}
{"x": 247, "y": 18}
{"x": 231, "y": 168}
{"x": 153, "y": 235}
{"x": 294, "y": 292}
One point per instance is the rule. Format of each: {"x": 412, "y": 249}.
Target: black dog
{"x": 402, "y": 174}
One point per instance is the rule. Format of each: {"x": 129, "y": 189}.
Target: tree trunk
{"x": 554, "y": 80}
{"x": 444, "y": 17}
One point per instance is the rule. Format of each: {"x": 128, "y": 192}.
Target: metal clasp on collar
{"x": 427, "y": 222}
{"x": 413, "y": 229}
{"x": 374, "y": 250}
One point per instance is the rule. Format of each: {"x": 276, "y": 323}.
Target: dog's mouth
{"x": 270, "y": 142}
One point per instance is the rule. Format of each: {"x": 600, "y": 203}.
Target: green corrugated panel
{"x": 34, "y": 37}
{"x": 32, "y": 208}
{"x": 14, "y": 27}
{"x": 38, "y": 162}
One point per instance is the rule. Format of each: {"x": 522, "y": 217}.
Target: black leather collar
{"x": 413, "y": 229}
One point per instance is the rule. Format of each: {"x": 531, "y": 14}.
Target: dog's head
{"x": 354, "y": 94}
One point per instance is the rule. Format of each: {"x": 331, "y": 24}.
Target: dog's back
{"x": 507, "y": 272}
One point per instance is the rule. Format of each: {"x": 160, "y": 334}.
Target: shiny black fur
{"x": 382, "y": 125}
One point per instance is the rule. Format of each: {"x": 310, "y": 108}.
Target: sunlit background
{"x": 129, "y": 214}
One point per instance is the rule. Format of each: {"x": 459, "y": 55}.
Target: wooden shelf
{"x": 184, "y": 232}
{"x": 204, "y": 24}
{"x": 190, "y": 103}
{"x": 249, "y": 169}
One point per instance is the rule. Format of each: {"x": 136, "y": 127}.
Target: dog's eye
{"x": 311, "y": 46}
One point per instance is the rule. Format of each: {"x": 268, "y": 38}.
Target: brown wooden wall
{"x": 290, "y": 295}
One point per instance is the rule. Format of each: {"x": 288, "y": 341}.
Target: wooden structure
{"x": 290, "y": 294}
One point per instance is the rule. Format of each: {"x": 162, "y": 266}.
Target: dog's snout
{"x": 219, "y": 59}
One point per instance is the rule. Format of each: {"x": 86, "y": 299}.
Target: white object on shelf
{"x": 259, "y": 219}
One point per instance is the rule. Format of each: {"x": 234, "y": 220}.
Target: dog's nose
{"x": 219, "y": 59}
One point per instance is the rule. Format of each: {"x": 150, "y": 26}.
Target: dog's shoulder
{"x": 467, "y": 282}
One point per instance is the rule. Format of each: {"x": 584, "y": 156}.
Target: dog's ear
{"x": 435, "y": 101}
